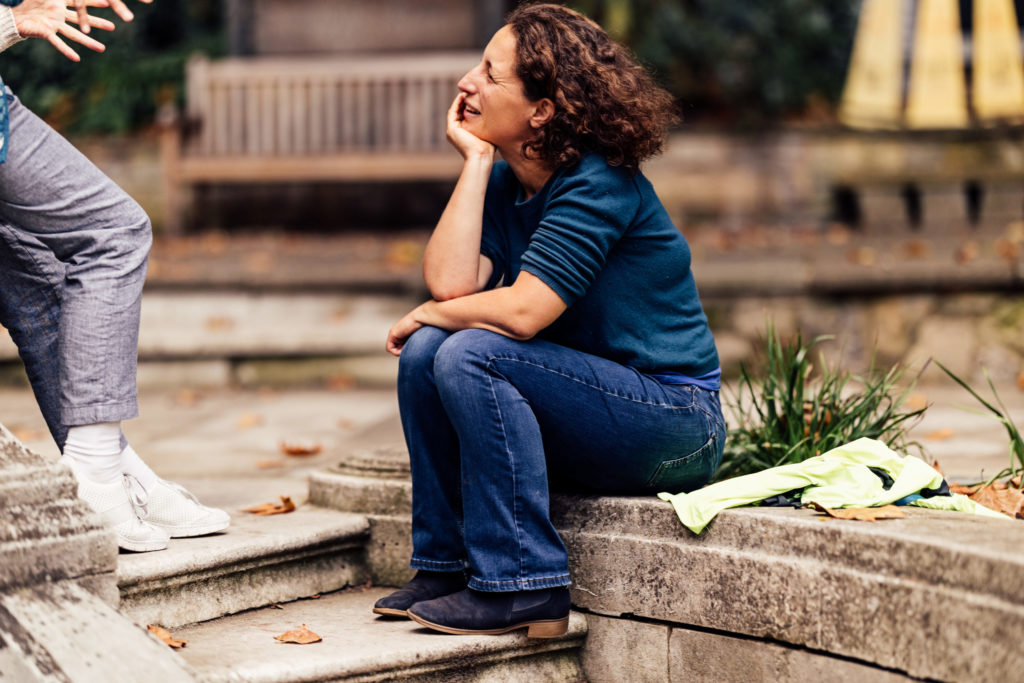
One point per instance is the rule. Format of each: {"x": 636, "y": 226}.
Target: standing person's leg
{"x": 438, "y": 555}
{"x": 522, "y": 407}
{"x": 51, "y": 195}
{"x": 31, "y": 281}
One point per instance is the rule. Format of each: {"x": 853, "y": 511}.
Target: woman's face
{"x": 495, "y": 108}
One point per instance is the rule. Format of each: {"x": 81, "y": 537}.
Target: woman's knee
{"x": 467, "y": 349}
{"x": 419, "y": 351}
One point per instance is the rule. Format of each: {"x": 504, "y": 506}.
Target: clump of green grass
{"x": 790, "y": 411}
{"x": 1016, "y": 468}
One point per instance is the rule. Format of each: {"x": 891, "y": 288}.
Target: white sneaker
{"x": 171, "y": 508}
{"x": 114, "y": 503}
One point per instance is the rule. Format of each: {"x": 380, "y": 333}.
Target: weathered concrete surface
{"x": 374, "y": 483}
{"x": 257, "y": 562}
{"x": 62, "y": 632}
{"x": 57, "y": 584}
{"x": 46, "y": 532}
{"x": 702, "y": 656}
{"x": 626, "y": 650}
{"x": 359, "y": 646}
{"x": 933, "y": 595}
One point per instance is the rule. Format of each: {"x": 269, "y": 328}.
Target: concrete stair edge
{"x": 358, "y": 646}
{"x": 258, "y": 561}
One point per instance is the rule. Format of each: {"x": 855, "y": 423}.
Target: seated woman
{"x": 565, "y": 344}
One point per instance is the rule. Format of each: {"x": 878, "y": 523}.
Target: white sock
{"x": 96, "y": 451}
{"x": 132, "y": 464}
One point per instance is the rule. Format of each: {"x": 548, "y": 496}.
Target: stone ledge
{"x": 257, "y": 562}
{"x": 932, "y": 595}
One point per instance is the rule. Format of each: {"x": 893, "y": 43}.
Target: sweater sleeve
{"x": 8, "y": 29}
{"x": 585, "y": 216}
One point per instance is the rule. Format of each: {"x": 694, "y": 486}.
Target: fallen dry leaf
{"x": 300, "y": 448}
{"x": 862, "y": 256}
{"x": 968, "y": 251}
{"x": 862, "y": 514}
{"x": 269, "y": 464}
{"x": 940, "y": 434}
{"x": 187, "y": 398}
{"x": 340, "y": 381}
{"x": 1020, "y": 380}
{"x": 301, "y": 636}
{"x": 286, "y": 505}
{"x": 248, "y": 421}
{"x": 916, "y": 401}
{"x": 1001, "y": 498}
{"x": 166, "y": 637}
{"x": 219, "y": 323}
{"x": 916, "y": 249}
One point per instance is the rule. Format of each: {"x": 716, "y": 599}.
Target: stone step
{"x": 357, "y": 645}
{"x": 258, "y": 561}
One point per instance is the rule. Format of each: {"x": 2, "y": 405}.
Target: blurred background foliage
{"x": 729, "y": 62}
{"x": 122, "y": 89}
{"x": 739, "y": 62}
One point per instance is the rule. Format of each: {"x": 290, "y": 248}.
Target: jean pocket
{"x": 690, "y": 471}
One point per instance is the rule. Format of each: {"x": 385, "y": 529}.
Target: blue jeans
{"x": 489, "y": 421}
{"x": 73, "y": 255}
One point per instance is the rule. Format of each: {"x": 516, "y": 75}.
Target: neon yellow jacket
{"x": 836, "y": 479}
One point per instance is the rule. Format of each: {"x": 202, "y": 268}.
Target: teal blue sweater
{"x": 601, "y": 239}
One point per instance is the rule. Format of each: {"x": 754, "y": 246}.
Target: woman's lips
{"x": 470, "y": 110}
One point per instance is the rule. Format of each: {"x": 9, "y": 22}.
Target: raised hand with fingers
{"x": 82, "y": 10}
{"x": 48, "y": 19}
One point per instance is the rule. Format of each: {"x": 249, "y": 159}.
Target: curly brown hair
{"x": 604, "y": 101}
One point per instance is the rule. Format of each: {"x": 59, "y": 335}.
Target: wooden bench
{"x": 280, "y": 119}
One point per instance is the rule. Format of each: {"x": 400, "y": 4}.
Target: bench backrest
{"x": 276, "y": 107}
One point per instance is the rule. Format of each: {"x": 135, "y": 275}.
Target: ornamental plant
{"x": 789, "y": 410}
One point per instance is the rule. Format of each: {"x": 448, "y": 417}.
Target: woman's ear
{"x": 543, "y": 111}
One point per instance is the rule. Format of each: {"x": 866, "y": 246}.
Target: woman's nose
{"x": 468, "y": 82}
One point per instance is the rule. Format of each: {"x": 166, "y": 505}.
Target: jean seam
{"x": 602, "y": 389}
{"x": 511, "y": 461}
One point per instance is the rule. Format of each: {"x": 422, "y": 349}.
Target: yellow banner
{"x": 873, "y": 95}
{"x": 997, "y": 87}
{"x": 937, "y": 96}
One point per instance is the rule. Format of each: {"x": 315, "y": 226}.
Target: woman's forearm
{"x": 451, "y": 262}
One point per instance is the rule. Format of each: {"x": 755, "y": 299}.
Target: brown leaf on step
{"x": 24, "y": 434}
{"x": 965, "y": 490}
{"x": 315, "y": 596}
{"x": 862, "y": 514}
{"x": 286, "y": 505}
{"x": 916, "y": 401}
{"x": 301, "y": 636}
{"x": 1001, "y": 498}
{"x": 300, "y": 448}
{"x": 187, "y": 398}
{"x": 940, "y": 434}
{"x": 404, "y": 253}
{"x": 248, "y": 420}
{"x": 1007, "y": 250}
{"x": 968, "y": 251}
{"x": 916, "y": 249}
{"x": 166, "y": 636}
{"x": 935, "y": 466}
{"x": 1020, "y": 380}
{"x": 269, "y": 464}
{"x": 219, "y": 323}
{"x": 340, "y": 381}
{"x": 862, "y": 256}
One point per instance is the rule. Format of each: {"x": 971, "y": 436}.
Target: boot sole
{"x": 543, "y": 628}
{"x": 390, "y": 612}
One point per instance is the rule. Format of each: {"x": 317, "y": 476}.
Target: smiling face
{"x": 495, "y": 107}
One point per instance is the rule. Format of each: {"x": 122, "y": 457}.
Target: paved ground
{"x": 226, "y": 444}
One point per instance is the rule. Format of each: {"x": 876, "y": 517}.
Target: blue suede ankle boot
{"x": 544, "y": 612}
{"x": 424, "y": 586}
